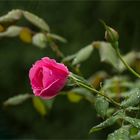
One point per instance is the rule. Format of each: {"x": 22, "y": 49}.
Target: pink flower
{"x": 47, "y": 77}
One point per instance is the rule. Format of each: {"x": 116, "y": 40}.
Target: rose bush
{"x": 116, "y": 99}
{"x": 47, "y": 77}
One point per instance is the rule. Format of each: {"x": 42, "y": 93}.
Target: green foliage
{"x": 135, "y": 122}
{"x": 69, "y": 58}
{"x": 49, "y": 103}
{"x": 110, "y": 111}
{"x": 119, "y": 85}
{"x": 133, "y": 99}
{"x": 81, "y": 92}
{"x": 83, "y": 54}
{"x": 12, "y": 16}
{"x": 108, "y": 54}
{"x": 119, "y": 91}
{"x": 56, "y": 37}
{"x": 120, "y": 134}
{"x": 16, "y": 100}
{"x": 101, "y": 106}
{"x": 39, "y": 39}
{"x": 73, "y": 97}
{"x": 108, "y": 122}
{"x": 135, "y": 137}
{"x": 129, "y": 58}
{"x": 36, "y": 21}
{"x": 39, "y": 106}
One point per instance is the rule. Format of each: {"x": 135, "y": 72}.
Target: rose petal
{"x": 53, "y": 89}
{"x": 47, "y": 77}
{"x": 52, "y": 63}
{"x": 34, "y": 68}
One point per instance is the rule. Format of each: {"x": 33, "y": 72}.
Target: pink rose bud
{"x": 47, "y": 77}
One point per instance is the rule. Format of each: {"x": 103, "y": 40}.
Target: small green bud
{"x": 39, "y": 40}
{"x": 111, "y": 35}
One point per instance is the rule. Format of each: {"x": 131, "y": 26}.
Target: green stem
{"x": 126, "y": 65}
{"x": 80, "y": 83}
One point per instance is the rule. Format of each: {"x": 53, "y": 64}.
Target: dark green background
{"x": 78, "y": 21}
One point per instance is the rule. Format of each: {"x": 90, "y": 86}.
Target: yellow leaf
{"x": 39, "y": 106}
{"x": 73, "y": 97}
{"x": 26, "y": 35}
{"x": 1, "y": 28}
{"x": 97, "y": 78}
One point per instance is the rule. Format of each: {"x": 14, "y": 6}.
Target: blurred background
{"x": 78, "y": 22}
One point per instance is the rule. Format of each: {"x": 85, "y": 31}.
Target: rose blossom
{"x": 47, "y": 77}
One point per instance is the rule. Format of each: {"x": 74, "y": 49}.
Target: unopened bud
{"x": 111, "y": 35}
{"x": 39, "y": 40}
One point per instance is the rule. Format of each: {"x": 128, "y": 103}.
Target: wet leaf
{"x": 118, "y": 85}
{"x": 133, "y": 99}
{"x": 12, "y": 16}
{"x": 119, "y": 134}
{"x": 110, "y": 111}
{"x": 56, "y": 37}
{"x": 101, "y": 106}
{"x": 69, "y": 58}
{"x": 16, "y": 100}
{"x": 83, "y": 54}
{"x": 37, "y": 21}
{"x": 110, "y": 121}
{"x": 108, "y": 54}
{"x": 129, "y": 59}
{"x": 135, "y": 122}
